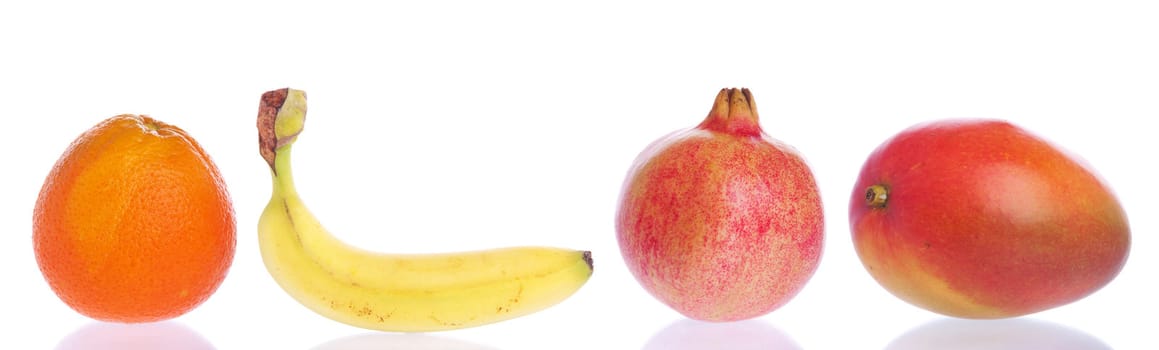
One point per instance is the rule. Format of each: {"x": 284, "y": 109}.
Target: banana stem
{"x": 282, "y": 174}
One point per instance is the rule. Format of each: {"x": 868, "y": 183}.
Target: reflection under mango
{"x": 1005, "y": 334}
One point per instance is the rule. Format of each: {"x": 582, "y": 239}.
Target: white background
{"x": 437, "y": 126}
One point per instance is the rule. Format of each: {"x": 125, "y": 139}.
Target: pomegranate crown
{"x": 733, "y": 112}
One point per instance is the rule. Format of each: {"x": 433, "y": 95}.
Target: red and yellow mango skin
{"x": 982, "y": 219}
{"x": 721, "y": 222}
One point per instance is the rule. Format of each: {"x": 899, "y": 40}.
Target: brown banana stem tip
{"x": 271, "y": 103}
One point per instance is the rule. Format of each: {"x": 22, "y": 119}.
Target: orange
{"x": 134, "y": 223}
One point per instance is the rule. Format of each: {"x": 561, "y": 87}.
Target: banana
{"x": 394, "y": 292}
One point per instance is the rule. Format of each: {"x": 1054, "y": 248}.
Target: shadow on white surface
{"x": 398, "y": 341}
{"x": 119, "y": 336}
{"x": 688, "y": 334}
{"x": 1007, "y": 334}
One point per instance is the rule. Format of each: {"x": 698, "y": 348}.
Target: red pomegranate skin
{"x": 721, "y": 222}
{"x": 982, "y": 219}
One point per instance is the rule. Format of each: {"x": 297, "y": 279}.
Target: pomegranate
{"x": 721, "y": 222}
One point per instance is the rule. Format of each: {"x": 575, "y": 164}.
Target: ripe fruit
{"x": 982, "y": 219}
{"x": 394, "y": 292}
{"x": 133, "y": 223}
{"x": 721, "y": 222}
